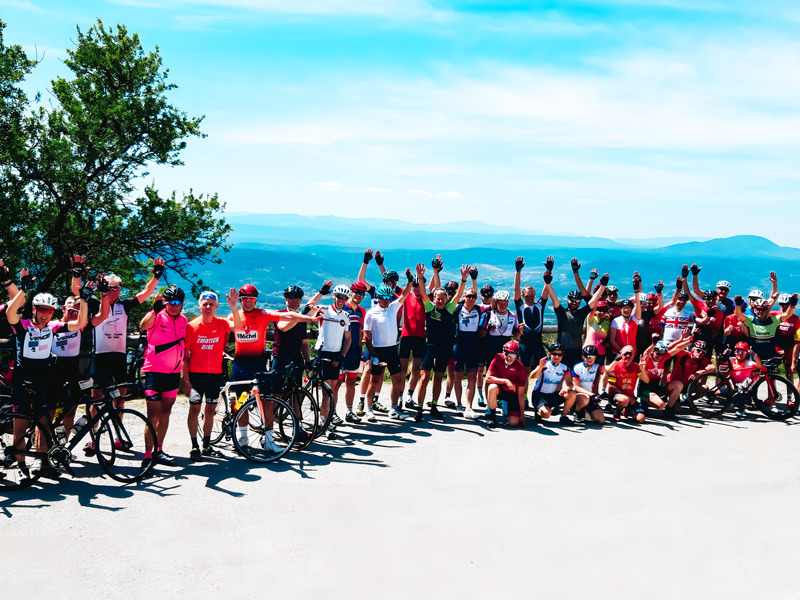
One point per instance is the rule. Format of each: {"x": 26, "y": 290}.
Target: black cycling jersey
{"x": 570, "y": 326}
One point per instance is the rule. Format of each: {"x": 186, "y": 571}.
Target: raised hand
{"x": 233, "y": 298}
{"x": 685, "y": 271}
{"x": 420, "y": 272}
{"x": 576, "y": 266}
{"x": 88, "y": 289}
{"x": 773, "y": 277}
{"x": 593, "y": 274}
{"x": 326, "y": 288}
{"x": 465, "y": 269}
{"x": 77, "y": 266}
{"x": 695, "y": 269}
{"x": 409, "y": 275}
{"x": 436, "y": 263}
{"x": 102, "y": 283}
{"x": 679, "y": 283}
{"x": 659, "y": 287}
{"x": 549, "y": 263}
{"x": 367, "y": 255}
{"x": 26, "y": 280}
{"x": 5, "y": 274}
{"x": 158, "y": 268}
{"x": 548, "y": 277}
{"x": 519, "y": 263}
{"x": 738, "y": 300}
{"x": 793, "y": 299}
{"x": 379, "y": 258}
{"x": 637, "y": 281}
{"x": 604, "y": 279}
{"x": 473, "y": 272}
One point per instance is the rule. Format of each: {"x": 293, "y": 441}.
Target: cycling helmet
{"x": 45, "y": 300}
{"x": 651, "y": 297}
{"x": 487, "y": 290}
{"x": 683, "y": 295}
{"x": 612, "y": 289}
{"x": 342, "y": 290}
{"x": 589, "y": 351}
{"x": 173, "y": 293}
{"x": 643, "y": 298}
{"x": 661, "y": 346}
{"x": 248, "y": 291}
{"x": 293, "y": 291}
{"x": 700, "y": 345}
{"x": 626, "y": 303}
{"x": 760, "y": 303}
{"x": 384, "y": 292}
{"x": 575, "y": 295}
{"x": 450, "y": 287}
{"x": 501, "y": 295}
{"x": 556, "y": 347}
{"x": 784, "y": 299}
{"x": 391, "y": 276}
{"x": 359, "y": 287}
{"x": 601, "y": 305}
{"x": 710, "y": 294}
{"x": 742, "y": 346}
{"x": 755, "y": 294}
{"x": 511, "y": 346}
{"x": 725, "y": 284}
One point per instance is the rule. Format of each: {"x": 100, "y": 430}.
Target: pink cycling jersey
{"x": 166, "y": 344}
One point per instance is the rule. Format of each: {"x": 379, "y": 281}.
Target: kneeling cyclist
{"x": 507, "y": 383}
{"x": 586, "y": 376}
{"x": 553, "y": 387}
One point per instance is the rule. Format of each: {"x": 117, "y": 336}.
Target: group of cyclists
{"x": 621, "y": 354}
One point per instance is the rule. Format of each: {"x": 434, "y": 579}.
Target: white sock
{"x": 243, "y": 433}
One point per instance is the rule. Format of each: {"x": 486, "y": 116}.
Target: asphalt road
{"x": 432, "y": 510}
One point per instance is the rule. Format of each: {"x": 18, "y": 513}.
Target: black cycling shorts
{"x": 116, "y": 362}
{"x": 412, "y": 345}
{"x": 328, "y": 370}
{"x": 530, "y": 352}
{"x": 437, "y": 357}
{"x": 281, "y": 363}
{"x": 551, "y": 400}
{"x": 208, "y": 385}
{"x": 162, "y": 382}
{"x": 510, "y": 398}
{"x": 467, "y": 354}
{"x": 388, "y": 355}
{"x": 352, "y": 361}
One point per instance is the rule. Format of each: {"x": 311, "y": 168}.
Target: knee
{"x": 544, "y": 412}
{"x": 640, "y": 417}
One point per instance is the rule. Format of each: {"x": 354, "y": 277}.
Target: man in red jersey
{"x": 507, "y": 381}
{"x": 622, "y": 375}
{"x": 206, "y": 338}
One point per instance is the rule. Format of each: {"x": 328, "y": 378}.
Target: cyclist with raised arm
{"x": 206, "y": 338}
{"x": 380, "y": 336}
{"x": 7, "y": 282}
{"x": 572, "y": 318}
{"x": 762, "y": 327}
{"x": 163, "y": 364}
{"x": 332, "y": 344}
{"x": 506, "y": 382}
{"x": 470, "y": 328}
{"x": 35, "y": 338}
{"x": 352, "y": 361}
{"x": 676, "y": 318}
{"x": 530, "y": 313}
{"x": 690, "y": 365}
{"x": 439, "y": 325}
{"x": 653, "y": 390}
{"x": 623, "y": 329}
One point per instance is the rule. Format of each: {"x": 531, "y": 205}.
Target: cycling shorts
{"x": 116, "y": 362}
{"x": 467, "y": 355}
{"x": 245, "y": 369}
{"x": 352, "y": 362}
{"x": 494, "y": 345}
{"x": 208, "y": 385}
{"x": 530, "y": 352}
{"x": 551, "y": 400}
{"x": 66, "y": 380}
{"x": 412, "y": 345}
{"x": 281, "y": 363}
{"x": 31, "y": 399}
{"x": 388, "y": 355}
{"x": 328, "y": 370}
{"x": 646, "y": 389}
{"x": 512, "y": 401}
{"x": 161, "y": 386}
{"x": 436, "y": 358}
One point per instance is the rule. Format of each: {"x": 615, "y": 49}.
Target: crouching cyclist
{"x": 549, "y": 393}
{"x": 586, "y": 376}
{"x": 622, "y": 376}
{"x": 163, "y": 363}
{"x": 506, "y": 382}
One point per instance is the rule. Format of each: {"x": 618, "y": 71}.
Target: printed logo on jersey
{"x": 207, "y": 343}
{"x": 246, "y": 336}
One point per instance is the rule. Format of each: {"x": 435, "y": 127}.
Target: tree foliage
{"x": 69, "y": 168}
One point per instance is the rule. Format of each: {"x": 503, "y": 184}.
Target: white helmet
{"x": 501, "y": 295}
{"x": 784, "y": 299}
{"x": 341, "y": 289}
{"x": 755, "y": 294}
{"x": 642, "y": 298}
{"x": 724, "y": 283}
{"x": 45, "y": 300}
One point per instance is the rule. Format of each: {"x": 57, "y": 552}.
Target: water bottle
{"x": 241, "y": 400}
{"x": 504, "y": 407}
{"x": 61, "y": 435}
{"x": 79, "y": 425}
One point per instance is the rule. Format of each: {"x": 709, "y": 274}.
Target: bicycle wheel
{"x": 120, "y": 445}
{"x": 777, "y": 398}
{"x": 220, "y": 414}
{"x": 710, "y": 396}
{"x": 309, "y": 416}
{"x": 265, "y": 443}
{"x": 320, "y": 390}
{"x": 15, "y": 472}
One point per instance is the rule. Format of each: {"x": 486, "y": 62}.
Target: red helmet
{"x": 742, "y": 346}
{"x": 359, "y": 287}
{"x": 652, "y": 297}
{"x": 601, "y": 304}
{"x": 248, "y": 291}
{"x": 512, "y": 347}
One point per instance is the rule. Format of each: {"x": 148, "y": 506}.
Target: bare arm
{"x": 518, "y": 265}
{"x": 362, "y": 271}
{"x": 576, "y": 267}
{"x": 421, "y": 280}
{"x": 11, "y": 310}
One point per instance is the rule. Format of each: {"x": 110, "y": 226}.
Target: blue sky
{"x": 619, "y": 118}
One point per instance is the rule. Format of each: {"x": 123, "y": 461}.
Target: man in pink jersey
{"x": 163, "y": 362}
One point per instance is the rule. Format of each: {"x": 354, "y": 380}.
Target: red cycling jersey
{"x": 206, "y": 344}
{"x": 251, "y": 339}
{"x": 413, "y": 317}
{"x": 625, "y": 378}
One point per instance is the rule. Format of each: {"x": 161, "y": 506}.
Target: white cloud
{"x": 331, "y": 185}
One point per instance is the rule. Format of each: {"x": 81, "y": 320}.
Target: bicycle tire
{"x": 252, "y": 448}
{"x": 780, "y": 406}
{"x": 13, "y": 477}
{"x": 717, "y": 398}
{"x": 128, "y": 426}
{"x": 220, "y": 417}
{"x": 309, "y": 416}
{"x": 318, "y": 389}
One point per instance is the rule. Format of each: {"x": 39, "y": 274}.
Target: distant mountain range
{"x": 273, "y": 251}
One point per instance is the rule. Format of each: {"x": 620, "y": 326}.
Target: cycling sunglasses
{"x": 341, "y": 296}
{"x": 556, "y": 354}
{"x": 293, "y": 296}
{"x": 175, "y": 302}
{"x": 510, "y": 354}
{"x": 471, "y": 296}
{"x": 208, "y": 296}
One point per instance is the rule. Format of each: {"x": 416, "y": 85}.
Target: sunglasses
{"x": 470, "y": 296}
{"x": 45, "y": 308}
{"x": 296, "y": 296}
{"x": 627, "y": 353}
{"x": 340, "y": 296}
{"x": 72, "y": 311}
{"x": 739, "y": 350}
{"x": 113, "y": 288}
{"x": 208, "y": 296}
{"x": 510, "y": 354}
{"x": 243, "y": 298}
{"x": 175, "y": 302}
{"x": 556, "y": 354}
{"x": 659, "y": 353}
{"x": 359, "y": 294}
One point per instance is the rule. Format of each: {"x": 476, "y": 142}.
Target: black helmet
{"x": 574, "y": 295}
{"x": 391, "y": 276}
{"x": 556, "y": 347}
{"x": 487, "y": 290}
{"x": 710, "y": 294}
{"x": 293, "y": 291}
{"x": 173, "y": 293}
{"x": 450, "y": 287}
{"x": 589, "y": 350}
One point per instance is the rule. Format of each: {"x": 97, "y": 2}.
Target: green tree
{"x": 69, "y": 167}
